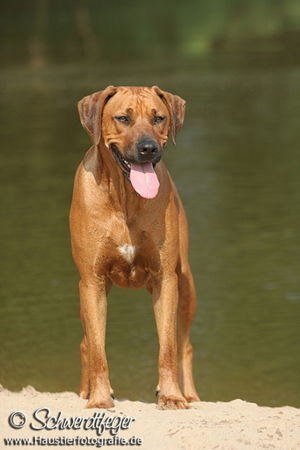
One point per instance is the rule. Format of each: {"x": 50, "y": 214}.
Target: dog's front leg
{"x": 93, "y": 309}
{"x": 165, "y": 302}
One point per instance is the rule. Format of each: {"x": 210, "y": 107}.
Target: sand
{"x": 232, "y": 425}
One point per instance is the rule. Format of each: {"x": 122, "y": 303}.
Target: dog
{"x": 128, "y": 228}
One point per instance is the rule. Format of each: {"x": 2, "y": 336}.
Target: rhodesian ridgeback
{"x": 129, "y": 228}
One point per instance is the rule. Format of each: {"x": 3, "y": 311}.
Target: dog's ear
{"x": 90, "y": 111}
{"x": 176, "y": 108}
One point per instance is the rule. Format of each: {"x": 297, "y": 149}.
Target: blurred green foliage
{"x": 38, "y": 32}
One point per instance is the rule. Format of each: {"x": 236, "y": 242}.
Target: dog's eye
{"x": 123, "y": 119}
{"x": 158, "y": 119}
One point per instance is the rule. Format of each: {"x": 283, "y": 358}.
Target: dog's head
{"x": 134, "y": 123}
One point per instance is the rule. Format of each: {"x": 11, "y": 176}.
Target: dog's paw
{"x": 84, "y": 394}
{"x": 100, "y": 403}
{"x": 172, "y": 402}
{"x": 190, "y": 394}
{"x": 192, "y": 397}
{"x": 112, "y": 394}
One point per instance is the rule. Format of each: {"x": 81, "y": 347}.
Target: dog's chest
{"x": 134, "y": 260}
{"x": 127, "y": 251}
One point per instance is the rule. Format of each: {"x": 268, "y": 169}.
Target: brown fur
{"x": 106, "y": 214}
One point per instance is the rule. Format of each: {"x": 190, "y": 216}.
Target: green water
{"x": 236, "y": 166}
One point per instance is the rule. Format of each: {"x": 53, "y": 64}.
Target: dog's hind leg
{"x": 84, "y": 390}
{"x": 186, "y": 313}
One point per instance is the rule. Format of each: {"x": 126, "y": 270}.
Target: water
{"x": 236, "y": 166}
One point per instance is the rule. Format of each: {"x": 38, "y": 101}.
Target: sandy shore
{"x": 233, "y": 425}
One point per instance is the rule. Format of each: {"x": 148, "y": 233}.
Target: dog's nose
{"x": 147, "y": 149}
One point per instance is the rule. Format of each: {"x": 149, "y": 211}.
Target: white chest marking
{"x": 128, "y": 252}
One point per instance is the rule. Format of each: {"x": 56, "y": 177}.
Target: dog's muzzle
{"x": 148, "y": 150}
{"x": 140, "y": 170}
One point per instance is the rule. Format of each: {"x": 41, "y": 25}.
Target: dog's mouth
{"x": 141, "y": 175}
{"x": 123, "y": 164}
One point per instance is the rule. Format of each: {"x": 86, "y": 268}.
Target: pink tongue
{"x": 144, "y": 180}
